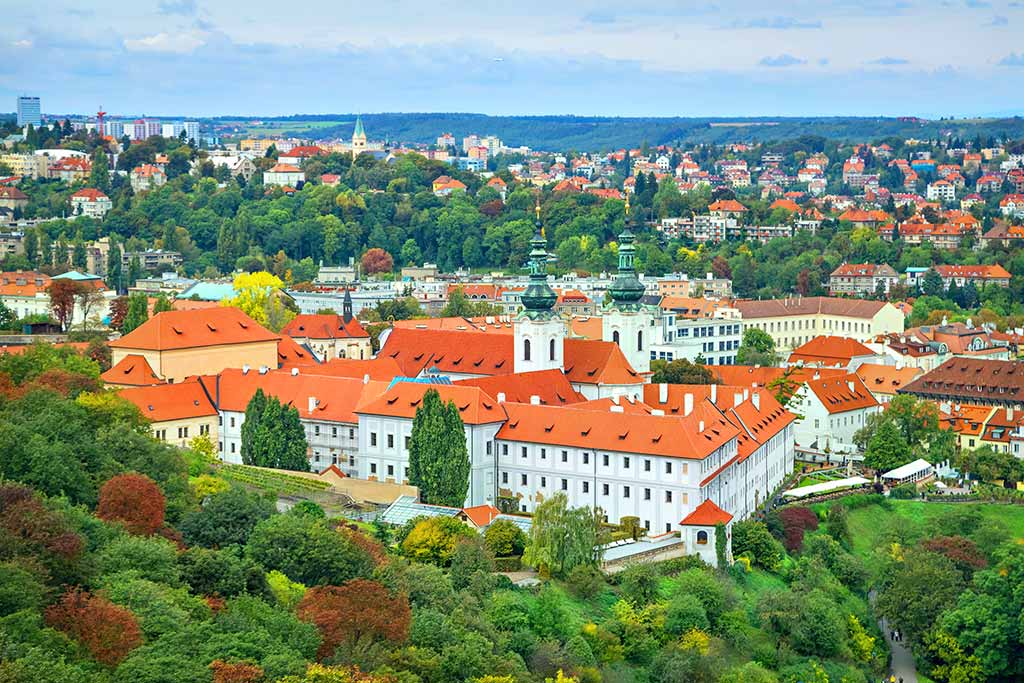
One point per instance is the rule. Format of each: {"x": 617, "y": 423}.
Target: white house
{"x": 283, "y": 174}
{"x": 833, "y": 409}
{"x": 90, "y": 202}
{"x": 941, "y": 191}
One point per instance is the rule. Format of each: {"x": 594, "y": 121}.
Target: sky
{"x": 633, "y": 58}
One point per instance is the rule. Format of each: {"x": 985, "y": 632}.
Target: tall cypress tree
{"x": 251, "y": 450}
{"x": 438, "y": 458}
{"x": 272, "y": 435}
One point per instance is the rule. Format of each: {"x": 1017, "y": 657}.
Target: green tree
{"x": 307, "y": 550}
{"x": 99, "y": 176}
{"x": 681, "y": 371}
{"x": 162, "y": 304}
{"x": 931, "y": 283}
{"x": 438, "y": 457}
{"x": 562, "y": 538}
{"x": 917, "y": 590}
{"x": 887, "y": 448}
{"x": 272, "y": 435}
{"x": 757, "y": 348}
{"x": 225, "y": 518}
{"x": 138, "y": 312}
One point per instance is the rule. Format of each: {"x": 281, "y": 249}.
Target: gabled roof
{"x": 885, "y": 379}
{"x": 809, "y": 305}
{"x": 165, "y": 402}
{"x": 828, "y": 350}
{"x": 642, "y": 434}
{"x": 321, "y": 326}
{"x": 404, "y": 398}
{"x": 726, "y": 205}
{"x": 90, "y": 194}
{"x": 588, "y": 361}
{"x": 284, "y": 168}
{"x": 842, "y": 394}
{"x": 550, "y": 386}
{"x": 132, "y": 370}
{"x": 190, "y": 329}
{"x": 980, "y": 272}
{"x": 292, "y": 354}
{"x": 751, "y": 375}
{"x": 472, "y": 353}
{"x": 972, "y": 378}
{"x": 706, "y": 514}
{"x": 7, "y": 192}
{"x": 481, "y": 515}
{"x": 379, "y": 369}
{"x": 336, "y": 398}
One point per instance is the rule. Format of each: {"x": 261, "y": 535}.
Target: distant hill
{"x": 597, "y": 133}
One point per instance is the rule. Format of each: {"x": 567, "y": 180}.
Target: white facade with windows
{"x": 716, "y": 340}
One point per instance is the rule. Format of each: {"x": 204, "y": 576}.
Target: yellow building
{"x": 794, "y": 321}
{"x": 180, "y": 344}
{"x": 178, "y": 412}
{"x": 26, "y": 165}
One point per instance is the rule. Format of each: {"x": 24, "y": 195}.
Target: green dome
{"x": 626, "y": 290}
{"x": 538, "y": 298}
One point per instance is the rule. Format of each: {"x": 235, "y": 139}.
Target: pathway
{"x": 902, "y": 666}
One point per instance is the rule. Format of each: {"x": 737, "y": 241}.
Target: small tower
{"x": 346, "y": 307}
{"x": 626, "y": 321}
{"x": 539, "y": 332}
{"x": 358, "y": 138}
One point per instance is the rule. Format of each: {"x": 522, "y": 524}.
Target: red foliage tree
{"x": 118, "y": 310}
{"x": 359, "y": 611}
{"x": 134, "y": 500}
{"x": 492, "y": 208}
{"x": 721, "y": 268}
{"x": 107, "y": 631}
{"x": 962, "y": 551}
{"x": 377, "y": 260}
{"x": 29, "y": 530}
{"x": 62, "y": 300}
{"x": 796, "y": 520}
{"x": 67, "y": 384}
{"x": 223, "y": 672}
{"x": 374, "y": 549}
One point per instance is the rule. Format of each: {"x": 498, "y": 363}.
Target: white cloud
{"x": 182, "y": 43}
{"x": 782, "y": 60}
{"x": 22, "y": 43}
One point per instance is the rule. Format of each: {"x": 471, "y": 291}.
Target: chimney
{"x": 737, "y": 398}
{"x": 687, "y": 404}
{"x": 617, "y": 409}
{"x": 700, "y": 427}
{"x": 1009, "y": 415}
{"x": 245, "y": 369}
{"x": 295, "y": 372}
{"x": 312, "y": 403}
{"x": 535, "y": 400}
{"x": 756, "y": 399}
{"x": 714, "y": 393}
{"x": 817, "y": 375}
{"x": 501, "y": 397}
{"x": 658, "y": 412}
{"x": 662, "y": 393}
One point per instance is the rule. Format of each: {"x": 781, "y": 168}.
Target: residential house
{"x": 177, "y": 413}
{"x": 833, "y": 409}
{"x": 12, "y": 198}
{"x": 90, "y": 202}
{"x": 147, "y": 177}
{"x": 833, "y": 352}
{"x": 862, "y": 279}
{"x": 283, "y": 175}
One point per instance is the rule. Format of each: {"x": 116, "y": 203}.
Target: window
{"x": 504, "y": 477}
{"x": 489, "y": 445}
{"x": 232, "y": 421}
{"x": 204, "y": 429}
{"x": 604, "y": 460}
{"x": 391, "y": 440}
{"x": 586, "y": 458}
{"x": 523, "y": 451}
{"x": 373, "y": 438}
{"x": 647, "y": 494}
{"x": 668, "y": 468}
{"x": 551, "y": 350}
{"x": 373, "y": 468}
{"x": 351, "y": 433}
{"x": 232, "y": 447}
{"x": 640, "y": 340}
{"x": 334, "y": 432}
{"x": 504, "y": 449}
{"x": 668, "y": 496}
{"x": 647, "y": 465}
{"x": 586, "y": 487}
{"x": 604, "y": 489}
{"x": 625, "y": 463}
{"x": 526, "y": 349}
{"x": 316, "y": 430}
{"x": 391, "y": 470}
{"x": 407, "y": 442}
{"x": 625, "y": 492}
{"x": 543, "y": 482}
{"x": 615, "y": 336}
{"x": 565, "y": 484}
{"x": 702, "y": 537}
{"x": 565, "y": 456}
{"x": 543, "y": 454}
{"x": 522, "y": 479}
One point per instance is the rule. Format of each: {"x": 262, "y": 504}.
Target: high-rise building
{"x": 192, "y": 130}
{"x": 29, "y": 111}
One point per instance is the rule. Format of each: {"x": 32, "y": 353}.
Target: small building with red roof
{"x": 90, "y": 202}
{"x": 699, "y": 529}
{"x": 833, "y": 409}
{"x": 330, "y": 335}
{"x": 131, "y": 371}
{"x": 826, "y": 351}
{"x": 178, "y": 413}
{"x": 284, "y": 174}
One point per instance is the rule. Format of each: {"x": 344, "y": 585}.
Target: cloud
{"x": 181, "y": 43}
{"x": 776, "y": 24}
{"x": 1012, "y": 59}
{"x": 998, "y": 21}
{"x": 183, "y": 7}
{"x": 22, "y": 43}
{"x": 978, "y": 4}
{"x": 889, "y": 61}
{"x": 781, "y": 60}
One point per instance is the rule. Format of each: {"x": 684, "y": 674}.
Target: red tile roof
{"x": 706, "y": 514}
{"x": 292, "y": 354}
{"x": 481, "y": 515}
{"x": 551, "y": 386}
{"x": 842, "y": 394}
{"x": 885, "y": 379}
{"x": 89, "y": 194}
{"x": 829, "y": 351}
{"x": 588, "y": 361}
{"x": 404, "y": 398}
{"x": 472, "y": 353}
{"x": 329, "y": 326}
{"x": 996, "y": 272}
{"x": 14, "y": 193}
{"x": 379, "y": 369}
{"x": 750, "y": 375}
{"x": 132, "y": 370}
{"x": 165, "y": 402}
{"x": 190, "y": 329}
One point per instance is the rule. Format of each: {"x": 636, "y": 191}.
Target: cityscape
{"x": 547, "y": 393}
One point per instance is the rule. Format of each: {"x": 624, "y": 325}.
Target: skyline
{"x": 194, "y": 58}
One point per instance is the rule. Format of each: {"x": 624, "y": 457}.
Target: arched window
{"x": 526, "y": 349}
{"x": 702, "y": 537}
{"x": 551, "y": 350}
{"x": 615, "y": 336}
{"x": 640, "y": 340}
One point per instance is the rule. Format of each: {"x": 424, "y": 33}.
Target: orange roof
{"x": 489, "y": 323}
{"x": 967, "y": 419}
{"x": 842, "y": 394}
{"x": 588, "y": 361}
{"x": 481, "y": 515}
{"x": 190, "y": 329}
{"x": 551, "y": 386}
{"x": 618, "y": 404}
{"x": 787, "y": 204}
{"x": 12, "y": 193}
{"x": 587, "y": 327}
{"x": 89, "y": 194}
{"x": 726, "y": 205}
{"x": 284, "y": 168}
{"x": 132, "y": 370}
{"x": 379, "y": 369}
{"x": 336, "y": 398}
{"x": 291, "y": 354}
{"x": 706, "y": 514}
{"x": 829, "y": 350}
{"x": 165, "y": 402}
{"x": 404, "y": 398}
{"x": 670, "y": 436}
{"x": 496, "y": 181}
{"x": 752, "y": 375}
{"x": 473, "y": 353}
{"x": 885, "y": 379}
{"x": 329, "y": 326}
{"x": 996, "y": 272}
{"x": 147, "y": 170}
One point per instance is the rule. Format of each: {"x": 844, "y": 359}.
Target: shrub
{"x": 685, "y": 612}
{"x": 133, "y": 500}
{"x": 753, "y": 539}
{"x": 795, "y": 521}
{"x": 107, "y": 631}
{"x": 903, "y": 492}
{"x": 434, "y": 539}
{"x": 505, "y": 538}
{"x": 585, "y": 581}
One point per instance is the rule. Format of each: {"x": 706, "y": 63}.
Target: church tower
{"x": 358, "y": 138}
{"x": 626, "y": 321}
{"x": 539, "y": 332}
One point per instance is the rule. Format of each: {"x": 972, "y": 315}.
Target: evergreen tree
{"x": 138, "y": 312}
{"x": 134, "y": 270}
{"x": 99, "y": 176}
{"x": 931, "y": 283}
{"x": 162, "y": 304}
{"x": 114, "y": 271}
{"x": 79, "y": 257}
{"x": 32, "y": 248}
{"x": 272, "y": 435}
{"x": 438, "y": 459}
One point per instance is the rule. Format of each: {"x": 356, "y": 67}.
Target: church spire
{"x": 626, "y": 290}
{"x": 538, "y": 298}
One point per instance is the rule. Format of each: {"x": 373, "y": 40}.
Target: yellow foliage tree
{"x": 562, "y": 678}
{"x": 206, "y": 485}
{"x": 259, "y": 296}
{"x": 696, "y": 640}
{"x": 862, "y": 645}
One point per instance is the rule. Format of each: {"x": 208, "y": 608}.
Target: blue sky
{"x": 640, "y": 57}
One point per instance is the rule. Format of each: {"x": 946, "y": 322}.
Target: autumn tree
{"x": 240, "y": 672}
{"x": 107, "y": 631}
{"x": 358, "y": 613}
{"x": 376, "y": 260}
{"x": 260, "y": 296}
{"x": 63, "y": 294}
{"x": 118, "y": 312}
{"x": 134, "y": 500}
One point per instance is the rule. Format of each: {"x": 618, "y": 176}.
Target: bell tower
{"x": 626, "y": 321}
{"x": 539, "y": 332}
{"x": 358, "y": 138}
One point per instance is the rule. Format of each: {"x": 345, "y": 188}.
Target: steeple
{"x": 346, "y": 307}
{"x": 626, "y": 290}
{"x": 358, "y": 138}
{"x": 538, "y": 298}
{"x": 359, "y": 132}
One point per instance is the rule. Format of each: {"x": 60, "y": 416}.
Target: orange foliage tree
{"x": 107, "y": 631}
{"x": 134, "y": 500}
{"x": 361, "y": 611}
{"x": 223, "y": 672}
{"x": 377, "y": 260}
